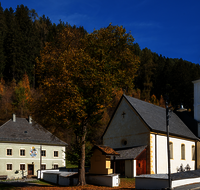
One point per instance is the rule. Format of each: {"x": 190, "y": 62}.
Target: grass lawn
{"x": 69, "y": 165}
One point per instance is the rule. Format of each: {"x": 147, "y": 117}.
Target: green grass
{"x": 69, "y": 165}
{"x": 128, "y": 179}
{"x": 41, "y": 182}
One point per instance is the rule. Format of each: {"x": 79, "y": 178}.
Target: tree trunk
{"x": 81, "y": 170}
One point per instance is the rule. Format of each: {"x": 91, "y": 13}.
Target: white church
{"x": 137, "y": 130}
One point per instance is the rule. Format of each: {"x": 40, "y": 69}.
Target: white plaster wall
{"x": 103, "y": 180}
{"x": 15, "y": 159}
{"x": 162, "y": 163}
{"x": 134, "y": 168}
{"x": 197, "y": 100}
{"x": 130, "y": 128}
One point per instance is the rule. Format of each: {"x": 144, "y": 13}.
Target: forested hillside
{"x": 24, "y": 35}
{"x": 160, "y": 76}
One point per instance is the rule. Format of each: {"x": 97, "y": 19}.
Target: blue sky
{"x": 167, "y": 27}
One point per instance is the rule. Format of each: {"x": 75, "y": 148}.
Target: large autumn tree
{"x": 78, "y": 74}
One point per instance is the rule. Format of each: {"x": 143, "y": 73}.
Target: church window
{"x": 182, "y": 152}
{"x": 124, "y": 142}
{"x": 171, "y": 150}
{"x": 193, "y": 152}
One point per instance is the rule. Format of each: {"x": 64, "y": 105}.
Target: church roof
{"x": 155, "y": 118}
{"x": 21, "y": 131}
{"x": 129, "y": 153}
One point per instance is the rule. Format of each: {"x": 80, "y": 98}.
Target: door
{"x": 140, "y": 167}
{"x": 30, "y": 169}
{"x": 120, "y": 167}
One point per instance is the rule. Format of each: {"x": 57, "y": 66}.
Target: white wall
{"x": 129, "y": 128}
{"x": 197, "y": 100}
{"x": 15, "y": 159}
{"x": 162, "y": 163}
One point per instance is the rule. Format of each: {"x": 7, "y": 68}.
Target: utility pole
{"x": 168, "y": 151}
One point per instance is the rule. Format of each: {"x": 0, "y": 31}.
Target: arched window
{"x": 193, "y": 152}
{"x": 182, "y": 152}
{"x": 171, "y": 150}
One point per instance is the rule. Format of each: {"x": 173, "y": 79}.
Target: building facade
{"x": 137, "y": 131}
{"x": 26, "y": 147}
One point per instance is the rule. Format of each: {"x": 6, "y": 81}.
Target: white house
{"x": 26, "y": 147}
{"x": 137, "y": 130}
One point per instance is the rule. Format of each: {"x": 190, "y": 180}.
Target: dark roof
{"x": 188, "y": 119}
{"x": 106, "y": 150}
{"x": 129, "y": 153}
{"x": 24, "y": 132}
{"x": 155, "y": 118}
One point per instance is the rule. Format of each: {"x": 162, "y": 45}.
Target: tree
{"x": 78, "y": 75}
{"x": 2, "y": 39}
{"x": 22, "y": 95}
{"x": 145, "y": 73}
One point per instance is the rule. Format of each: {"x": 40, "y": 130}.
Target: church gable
{"x": 126, "y": 129}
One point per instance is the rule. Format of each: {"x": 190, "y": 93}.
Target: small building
{"x": 137, "y": 130}
{"x": 26, "y": 147}
{"x": 101, "y": 160}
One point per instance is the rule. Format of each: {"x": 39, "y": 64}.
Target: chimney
{"x": 14, "y": 117}
{"x": 29, "y": 119}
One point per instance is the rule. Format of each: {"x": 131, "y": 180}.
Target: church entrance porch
{"x": 131, "y": 162}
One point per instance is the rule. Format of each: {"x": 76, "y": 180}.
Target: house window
{"x": 171, "y": 150}
{"x": 193, "y": 152}
{"x": 55, "y": 166}
{"x": 22, "y": 166}
{"x": 182, "y": 152}
{"x": 9, "y": 166}
{"x": 55, "y": 153}
{"x": 43, "y": 167}
{"x": 22, "y": 152}
{"x": 9, "y": 152}
{"x": 43, "y": 153}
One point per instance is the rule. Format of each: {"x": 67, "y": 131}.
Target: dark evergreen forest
{"x": 24, "y": 34}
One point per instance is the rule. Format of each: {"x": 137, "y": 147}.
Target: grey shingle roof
{"x": 155, "y": 118}
{"x": 129, "y": 153}
{"x": 24, "y": 132}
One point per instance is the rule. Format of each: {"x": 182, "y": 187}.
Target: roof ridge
{"x": 143, "y": 101}
{"x": 175, "y": 121}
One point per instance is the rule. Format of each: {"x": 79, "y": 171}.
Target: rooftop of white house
{"x": 27, "y": 131}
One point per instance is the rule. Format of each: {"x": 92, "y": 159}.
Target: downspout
{"x": 40, "y": 161}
